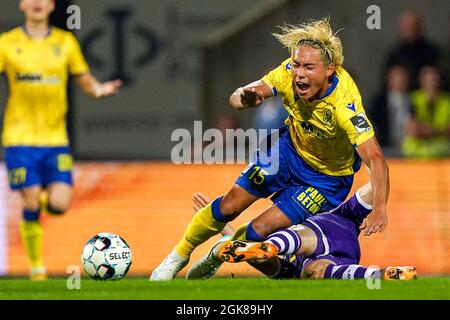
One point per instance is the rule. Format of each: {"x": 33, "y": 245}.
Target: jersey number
{"x": 65, "y": 162}
{"x": 257, "y": 176}
{"x": 17, "y": 176}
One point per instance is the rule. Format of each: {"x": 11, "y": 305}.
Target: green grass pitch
{"x": 225, "y": 289}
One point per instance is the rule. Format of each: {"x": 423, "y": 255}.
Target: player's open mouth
{"x": 302, "y": 87}
{"x": 38, "y": 9}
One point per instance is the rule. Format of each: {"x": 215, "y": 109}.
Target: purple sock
{"x": 287, "y": 241}
{"x": 350, "y": 272}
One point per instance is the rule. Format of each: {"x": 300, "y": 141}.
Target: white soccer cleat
{"x": 169, "y": 268}
{"x": 207, "y": 266}
{"x": 38, "y": 274}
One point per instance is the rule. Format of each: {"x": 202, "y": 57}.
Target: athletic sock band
{"x": 287, "y": 241}
{"x": 252, "y": 235}
{"x": 30, "y": 215}
{"x": 217, "y": 214}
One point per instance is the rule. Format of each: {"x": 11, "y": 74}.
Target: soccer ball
{"x": 106, "y": 256}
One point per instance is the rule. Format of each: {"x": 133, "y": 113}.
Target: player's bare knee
{"x": 263, "y": 229}
{"x": 30, "y": 200}
{"x": 58, "y": 207}
{"x": 31, "y": 205}
{"x": 228, "y": 208}
{"x": 235, "y": 201}
{"x": 60, "y": 199}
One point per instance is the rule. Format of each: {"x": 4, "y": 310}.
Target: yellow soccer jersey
{"x": 325, "y": 131}
{"x": 37, "y": 72}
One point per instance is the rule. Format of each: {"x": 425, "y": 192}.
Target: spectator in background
{"x": 446, "y": 61}
{"x": 270, "y": 115}
{"x": 227, "y": 121}
{"x": 428, "y": 129}
{"x": 414, "y": 50}
{"x": 391, "y": 107}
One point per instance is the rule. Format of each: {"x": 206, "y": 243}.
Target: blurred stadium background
{"x": 180, "y": 60}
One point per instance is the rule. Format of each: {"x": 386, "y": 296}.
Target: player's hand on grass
{"x": 250, "y": 97}
{"x": 108, "y": 88}
{"x": 375, "y": 222}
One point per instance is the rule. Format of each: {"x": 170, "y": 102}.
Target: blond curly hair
{"x": 316, "y": 34}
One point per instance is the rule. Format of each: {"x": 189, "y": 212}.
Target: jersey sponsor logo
{"x": 351, "y": 106}
{"x": 360, "y": 123}
{"x": 288, "y": 66}
{"x": 29, "y": 77}
{"x": 308, "y": 127}
{"x": 37, "y": 78}
{"x": 311, "y": 200}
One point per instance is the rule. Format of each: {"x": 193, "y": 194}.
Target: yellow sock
{"x": 202, "y": 227}
{"x": 239, "y": 234}
{"x": 43, "y": 201}
{"x": 31, "y": 232}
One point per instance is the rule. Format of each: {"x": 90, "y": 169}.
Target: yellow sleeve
{"x": 355, "y": 123}
{"x": 77, "y": 63}
{"x": 2, "y": 55}
{"x": 279, "y": 78}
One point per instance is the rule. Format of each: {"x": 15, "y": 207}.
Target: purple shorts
{"x": 337, "y": 234}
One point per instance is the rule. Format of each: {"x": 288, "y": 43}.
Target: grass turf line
{"x": 225, "y": 289}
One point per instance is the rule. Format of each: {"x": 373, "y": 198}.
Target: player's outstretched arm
{"x": 95, "y": 89}
{"x": 372, "y": 155}
{"x": 250, "y": 96}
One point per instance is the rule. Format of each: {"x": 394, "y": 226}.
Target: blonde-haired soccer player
{"x": 37, "y": 59}
{"x": 313, "y": 162}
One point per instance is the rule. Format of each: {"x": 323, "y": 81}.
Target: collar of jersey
{"x": 334, "y": 83}
{"x": 30, "y": 36}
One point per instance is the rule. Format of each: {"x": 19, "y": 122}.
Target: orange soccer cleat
{"x": 237, "y": 251}
{"x": 400, "y": 273}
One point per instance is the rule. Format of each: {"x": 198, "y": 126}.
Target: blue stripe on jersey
{"x": 334, "y": 83}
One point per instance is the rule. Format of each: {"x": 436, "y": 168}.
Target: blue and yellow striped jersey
{"x": 325, "y": 132}
{"x": 37, "y": 72}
